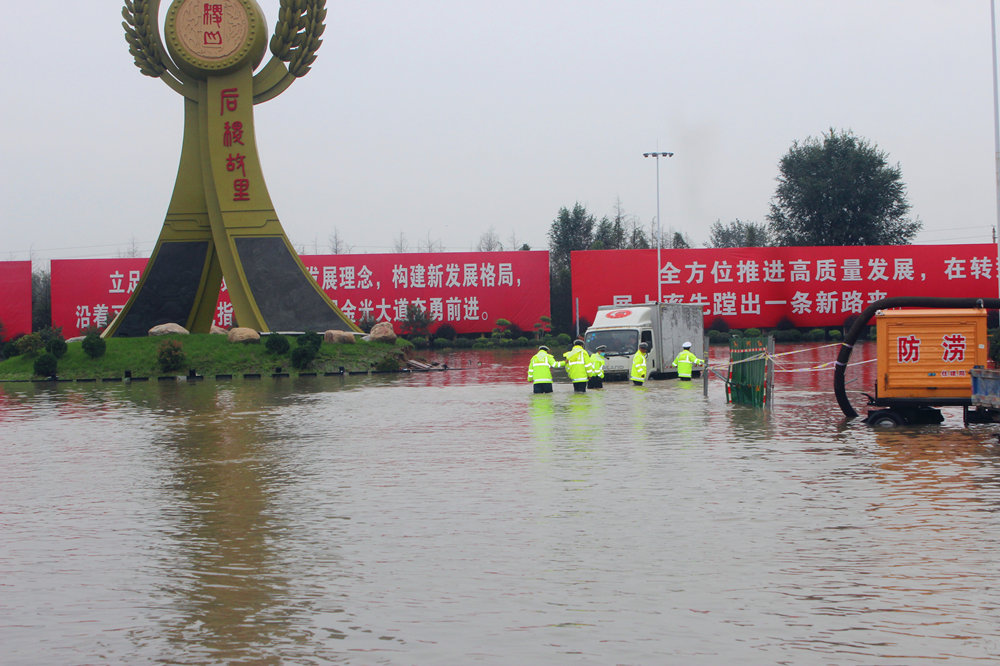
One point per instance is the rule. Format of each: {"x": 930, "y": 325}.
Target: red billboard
{"x": 468, "y": 290}
{"x": 15, "y": 302}
{"x": 760, "y": 286}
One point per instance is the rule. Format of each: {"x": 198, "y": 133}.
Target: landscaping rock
{"x": 381, "y": 332}
{"x": 338, "y": 337}
{"x": 168, "y": 329}
{"x": 241, "y": 334}
{"x": 215, "y": 330}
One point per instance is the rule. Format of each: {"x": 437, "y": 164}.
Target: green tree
{"x": 679, "y": 241}
{"x": 609, "y": 235}
{"x": 739, "y": 234}
{"x": 41, "y": 300}
{"x": 840, "y": 190}
{"x": 571, "y": 230}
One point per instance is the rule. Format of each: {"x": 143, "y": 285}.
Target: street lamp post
{"x": 996, "y": 120}
{"x": 659, "y": 233}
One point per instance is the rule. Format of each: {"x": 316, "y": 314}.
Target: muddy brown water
{"x": 455, "y": 518}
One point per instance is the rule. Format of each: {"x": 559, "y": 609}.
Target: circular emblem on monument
{"x": 215, "y": 37}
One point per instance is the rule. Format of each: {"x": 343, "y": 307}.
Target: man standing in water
{"x": 540, "y": 370}
{"x": 685, "y": 363}
{"x": 597, "y": 361}
{"x": 638, "y": 374}
{"x": 578, "y": 366}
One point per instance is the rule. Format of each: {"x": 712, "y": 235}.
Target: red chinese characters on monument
{"x": 760, "y": 287}
{"x": 212, "y": 18}
{"x": 468, "y": 291}
{"x": 229, "y": 101}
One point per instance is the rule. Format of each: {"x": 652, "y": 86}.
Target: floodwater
{"x": 455, "y": 518}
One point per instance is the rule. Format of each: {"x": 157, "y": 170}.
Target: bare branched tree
{"x": 489, "y": 242}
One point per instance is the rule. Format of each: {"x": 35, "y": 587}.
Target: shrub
{"x": 302, "y": 356}
{"x": 441, "y": 343}
{"x": 719, "y": 324}
{"x": 462, "y": 343}
{"x": 366, "y": 323}
{"x": 277, "y": 344}
{"x": 501, "y": 328}
{"x": 50, "y": 333}
{"x": 417, "y": 322}
{"x": 30, "y": 344}
{"x": 787, "y": 335}
{"x": 717, "y": 337}
{"x": 522, "y": 342}
{"x": 446, "y": 331}
{"x": 387, "y": 364}
{"x": 563, "y": 340}
{"x": 170, "y": 356}
{"x": 785, "y": 324}
{"x": 8, "y": 350}
{"x": 420, "y": 342}
{"x": 816, "y": 335}
{"x": 94, "y": 345}
{"x": 835, "y": 334}
{"x": 752, "y": 333}
{"x": 481, "y": 343}
{"x": 57, "y": 347}
{"x": 310, "y": 339}
{"x": 543, "y": 326}
{"x": 45, "y": 365}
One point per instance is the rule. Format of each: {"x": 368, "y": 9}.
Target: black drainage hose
{"x": 886, "y": 303}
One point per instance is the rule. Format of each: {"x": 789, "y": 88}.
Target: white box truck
{"x": 665, "y": 326}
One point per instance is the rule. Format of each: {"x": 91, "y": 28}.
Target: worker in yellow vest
{"x": 540, "y": 370}
{"x": 685, "y": 362}
{"x": 597, "y": 361}
{"x": 638, "y": 374}
{"x": 578, "y": 366}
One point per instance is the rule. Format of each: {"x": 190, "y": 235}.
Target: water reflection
{"x": 224, "y": 574}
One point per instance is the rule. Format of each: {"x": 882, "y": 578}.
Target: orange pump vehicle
{"x": 925, "y": 360}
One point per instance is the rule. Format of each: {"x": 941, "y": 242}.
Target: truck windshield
{"x": 620, "y": 342}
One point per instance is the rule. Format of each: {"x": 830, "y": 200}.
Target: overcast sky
{"x": 441, "y": 119}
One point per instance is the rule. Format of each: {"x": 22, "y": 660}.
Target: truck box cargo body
{"x": 928, "y": 355}
{"x": 665, "y": 326}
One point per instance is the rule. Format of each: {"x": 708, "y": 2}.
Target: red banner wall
{"x": 15, "y": 298}
{"x": 468, "y": 290}
{"x": 757, "y": 287}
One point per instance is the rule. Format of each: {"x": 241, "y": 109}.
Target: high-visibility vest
{"x": 540, "y": 367}
{"x": 685, "y": 363}
{"x": 597, "y": 362}
{"x": 577, "y": 364}
{"x": 638, "y": 367}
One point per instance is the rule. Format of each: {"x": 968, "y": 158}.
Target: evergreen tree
{"x": 840, "y": 190}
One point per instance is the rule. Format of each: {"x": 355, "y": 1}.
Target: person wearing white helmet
{"x": 638, "y": 373}
{"x": 685, "y": 363}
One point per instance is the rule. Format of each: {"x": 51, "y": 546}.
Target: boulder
{"x": 382, "y": 332}
{"x": 338, "y": 337}
{"x": 168, "y": 329}
{"x": 241, "y": 334}
{"x": 215, "y": 330}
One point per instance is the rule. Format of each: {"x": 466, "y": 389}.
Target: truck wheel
{"x": 885, "y": 419}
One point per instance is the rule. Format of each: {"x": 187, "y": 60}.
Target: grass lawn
{"x": 207, "y": 355}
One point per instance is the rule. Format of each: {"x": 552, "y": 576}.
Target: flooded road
{"x": 455, "y": 518}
